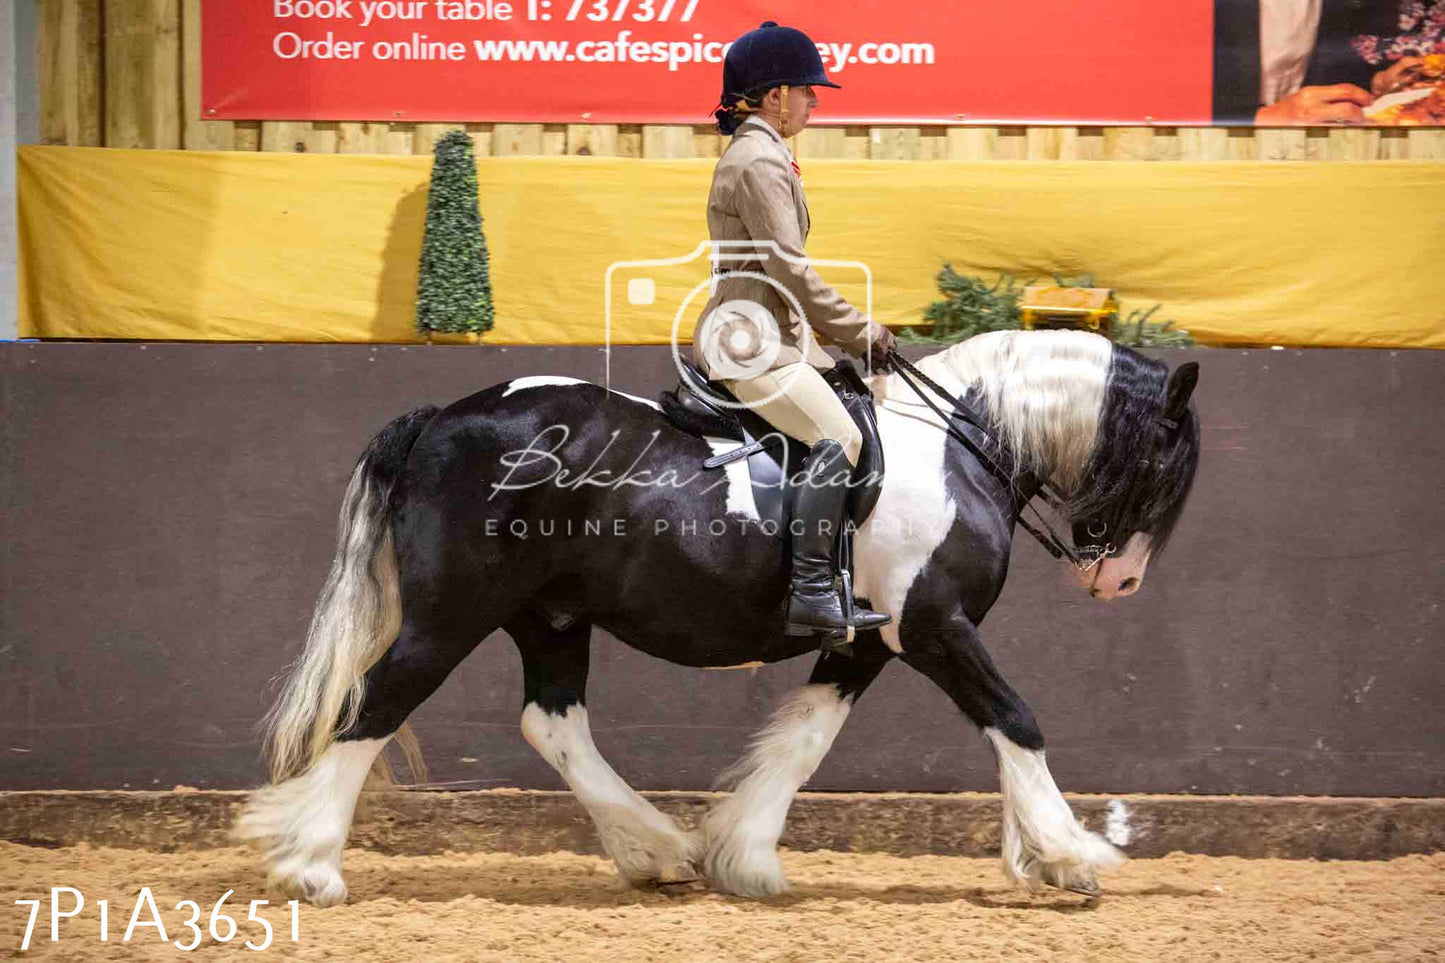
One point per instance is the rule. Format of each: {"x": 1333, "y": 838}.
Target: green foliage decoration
{"x": 972, "y": 306}
{"x": 454, "y": 285}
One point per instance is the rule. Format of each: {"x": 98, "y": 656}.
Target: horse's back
{"x": 596, "y": 503}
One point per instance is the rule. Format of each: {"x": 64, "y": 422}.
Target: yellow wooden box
{"x": 1051, "y": 306}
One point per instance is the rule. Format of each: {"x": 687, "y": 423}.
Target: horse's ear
{"x": 1181, "y": 386}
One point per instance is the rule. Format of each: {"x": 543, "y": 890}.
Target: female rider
{"x": 756, "y": 334}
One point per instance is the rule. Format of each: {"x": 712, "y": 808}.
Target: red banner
{"x": 660, "y": 61}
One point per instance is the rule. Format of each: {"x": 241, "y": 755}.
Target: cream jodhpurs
{"x": 800, "y": 403}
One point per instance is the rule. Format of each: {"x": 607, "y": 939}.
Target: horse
{"x": 546, "y": 506}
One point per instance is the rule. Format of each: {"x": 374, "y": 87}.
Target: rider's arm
{"x": 764, "y": 200}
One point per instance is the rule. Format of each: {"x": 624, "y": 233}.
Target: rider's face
{"x": 801, "y": 101}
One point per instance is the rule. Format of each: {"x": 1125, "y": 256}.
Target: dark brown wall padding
{"x": 171, "y": 513}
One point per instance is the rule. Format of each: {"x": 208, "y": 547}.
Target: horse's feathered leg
{"x": 302, "y": 823}
{"x": 399, "y": 612}
{"x": 742, "y": 832}
{"x": 647, "y": 846}
{"x": 302, "y": 819}
{"x": 1042, "y": 841}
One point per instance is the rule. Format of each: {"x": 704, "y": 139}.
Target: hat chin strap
{"x": 783, "y": 111}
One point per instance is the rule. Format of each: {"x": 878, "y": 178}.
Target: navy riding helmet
{"x": 762, "y": 59}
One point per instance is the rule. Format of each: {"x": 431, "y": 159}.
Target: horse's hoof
{"x": 1081, "y": 881}
{"x": 319, "y": 884}
{"x": 678, "y": 876}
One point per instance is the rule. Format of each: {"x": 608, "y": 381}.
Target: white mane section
{"x": 1043, "y": 389}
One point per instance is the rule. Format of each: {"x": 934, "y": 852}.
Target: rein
{"x": 1032, "y": 486}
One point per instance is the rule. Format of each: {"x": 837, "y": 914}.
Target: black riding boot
{"x": 816, "y": 605}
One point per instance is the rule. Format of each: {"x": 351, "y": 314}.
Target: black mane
{"x": 1146, "y": 467}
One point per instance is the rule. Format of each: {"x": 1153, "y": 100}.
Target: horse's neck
{"x": 1043, "y": 392}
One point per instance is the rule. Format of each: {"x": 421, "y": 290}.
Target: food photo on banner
{"x": 1315, "y": 62}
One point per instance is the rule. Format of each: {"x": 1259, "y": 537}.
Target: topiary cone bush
{"x": 454, "y": 284}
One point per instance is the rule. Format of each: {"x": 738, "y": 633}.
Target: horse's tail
{"x": 358, "y": 614}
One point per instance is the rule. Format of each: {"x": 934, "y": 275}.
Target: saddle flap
{"x": 770, "y": 465}
{"x": 867, "y": 481}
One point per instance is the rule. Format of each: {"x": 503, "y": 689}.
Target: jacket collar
{"x": 756, "y": 121}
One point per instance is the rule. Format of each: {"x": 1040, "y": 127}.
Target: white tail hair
{"x": 357, "y": 617}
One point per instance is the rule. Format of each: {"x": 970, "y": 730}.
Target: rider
{"x": 769, "y": 358}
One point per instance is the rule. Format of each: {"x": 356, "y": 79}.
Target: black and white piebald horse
{"x": 546, "y": 506}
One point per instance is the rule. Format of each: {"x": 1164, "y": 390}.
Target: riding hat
{"x": 768, "y": 57}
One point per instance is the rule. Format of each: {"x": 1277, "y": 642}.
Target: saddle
{"x": 774, "y": 459}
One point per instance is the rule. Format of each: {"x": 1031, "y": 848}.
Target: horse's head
{"x": 1139, "y": 475}
{"x": 1109, "y": 428}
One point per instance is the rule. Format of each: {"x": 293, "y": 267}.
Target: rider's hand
{"x": 879, "y": 348}
{"x": 1335, "y": 104}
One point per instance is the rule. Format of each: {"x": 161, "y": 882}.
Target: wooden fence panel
{"x": 821, "y": 142}
{"x": 1089, "y": 144}
{"x": 1241, "y": 144}
{"x": 483, "y": 138}
{"x": 142, "y": 73}
{"x": 285, "y": 135}
{"x": 516, "y": 139}
{"x": 1047, "y": 143}
{"x": 629, "y": 140}
{"x": 427, "y": 136}
{"x": 595, "y": 140}
{"x": 706, "y": 141}
{"x": 1353, "y": 144}
{"x": 197, "y": 133}
{"x": 1129, "y": 143}
{"x": 1203, "y": 144}
{"x": 666, "y": 141}
{"x": 358, "y": 138}
{"x": 1167, "y": 146}
{"x": 972, "y": 143}
{"x": 248, "y": 135}
{"x": 1426, "y": 144}
{"x": 1281, "y": 144}
{"x": 1394, "y": 144}
{"x": 70, "y": 62}
{"x": 895, "y": 143}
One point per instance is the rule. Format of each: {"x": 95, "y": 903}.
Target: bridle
{"x": 1024, "y": 485}
{"x": 1092, "y": 539}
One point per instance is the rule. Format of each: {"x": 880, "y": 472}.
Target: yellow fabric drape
{"x": 295, "y": 247}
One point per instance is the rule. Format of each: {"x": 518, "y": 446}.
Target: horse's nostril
{"x": 1129, "y": 585}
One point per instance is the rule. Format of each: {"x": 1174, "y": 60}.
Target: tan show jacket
{"x": 757, "y": 197}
